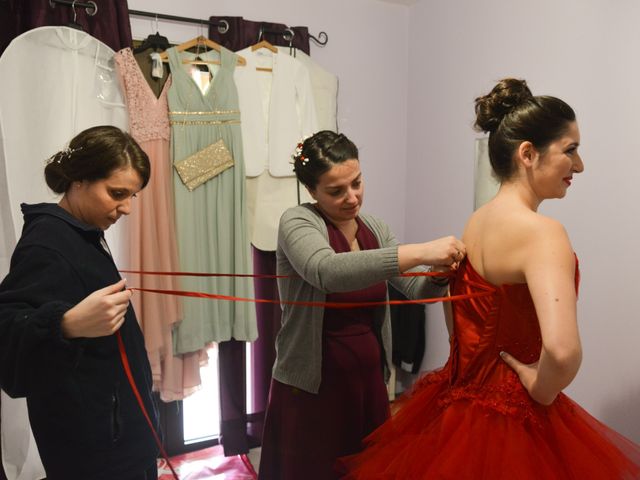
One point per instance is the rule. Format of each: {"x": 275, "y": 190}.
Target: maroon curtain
{"x": 244, "y": 33}
{"x": 110, "y": 24}
{"x": 263, "y": 350}
{"x": 233, "y": 403}
{"x": 239, "y": 429}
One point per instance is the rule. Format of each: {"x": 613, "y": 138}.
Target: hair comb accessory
{"x": 297, "y": 154}
{"x": 63, "y": 154}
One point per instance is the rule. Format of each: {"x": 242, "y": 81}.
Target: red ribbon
{"x": 127, "y": 370}
{"x": 123, "y": 354}
{"x": 263, "y": 275}
{"x": 200, "y": 274}
{"x": 215, "y": 296}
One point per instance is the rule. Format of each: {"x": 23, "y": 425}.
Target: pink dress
{"x": 153, "y": 236}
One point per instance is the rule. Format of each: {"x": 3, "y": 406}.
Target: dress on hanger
{"x": 211, "y": 219}
{"x": 473, "y": 419}
{"x": 324, "y": 85}
{"x": 152, "y": 236}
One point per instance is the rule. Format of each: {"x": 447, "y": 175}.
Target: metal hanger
{"x": 155, "y": 41}
{"x": 74, "y": 23}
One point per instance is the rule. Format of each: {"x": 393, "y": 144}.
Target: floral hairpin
{"x": 297, "y": 154}
{"x": 63, "y": 154}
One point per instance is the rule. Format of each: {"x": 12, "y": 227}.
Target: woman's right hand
{"x": 445, "y": 251}
{"x": 99, "y": 314}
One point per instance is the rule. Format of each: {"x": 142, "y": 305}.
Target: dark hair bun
{"x": 55, "y": 172}
{"x": 508, "y": 94}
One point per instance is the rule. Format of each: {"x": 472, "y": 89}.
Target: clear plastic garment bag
{"x": 56, "y": 82}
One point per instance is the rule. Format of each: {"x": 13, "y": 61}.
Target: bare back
{"x": 503, "y": 235}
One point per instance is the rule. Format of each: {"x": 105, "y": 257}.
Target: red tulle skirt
{"x": 491, "y": 432}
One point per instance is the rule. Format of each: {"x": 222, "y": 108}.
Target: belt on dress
{"x": 214, "y": 117}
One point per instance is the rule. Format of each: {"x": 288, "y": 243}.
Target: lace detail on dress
{"x": 508, "y": 398}
{"x": 148, "y": 115}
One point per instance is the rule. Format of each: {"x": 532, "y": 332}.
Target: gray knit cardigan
{"x": 315, "y": 269}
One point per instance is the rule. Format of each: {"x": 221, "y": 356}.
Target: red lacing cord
{"x": 247, "y": 463}
{"x": 127, "y": 369}
{"x": 215, "y": 296}
{"x": 243, "y": 457}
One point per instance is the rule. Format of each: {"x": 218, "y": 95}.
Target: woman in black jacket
{"x": 60, "y": 306}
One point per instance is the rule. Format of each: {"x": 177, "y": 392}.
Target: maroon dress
{"x": 305, "y": 433}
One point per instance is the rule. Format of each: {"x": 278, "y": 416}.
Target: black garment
{"x": 408, "y": 333}
{"x": 84, "y": 415}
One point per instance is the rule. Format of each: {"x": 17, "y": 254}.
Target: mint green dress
{"x": 210, "y": 220}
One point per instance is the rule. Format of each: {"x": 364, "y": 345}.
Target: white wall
{"x": 585, "y": 52}
{"x": 372, "y": 73}
{"x": 408, "y": 77}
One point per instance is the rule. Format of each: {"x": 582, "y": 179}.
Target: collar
{"x": 31, "y": 212}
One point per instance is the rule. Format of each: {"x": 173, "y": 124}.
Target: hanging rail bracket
{"x": 90, "y": 7}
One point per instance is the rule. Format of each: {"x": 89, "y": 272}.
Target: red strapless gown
{"x": 473, "y": 419}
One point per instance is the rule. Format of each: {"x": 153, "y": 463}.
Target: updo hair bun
{"x": 94, "y": 154}
{"x": 56, "y": 171}
{"x": 316, "y": 155}
{"x": 506, "y": 96}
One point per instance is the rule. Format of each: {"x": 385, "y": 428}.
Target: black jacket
{"x": 85, "y": 418}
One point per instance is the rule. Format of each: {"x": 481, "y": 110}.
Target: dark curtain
{"x": 110, "y": 24}
{"x": 244, "y": 33}
{"x": 240, "y": 430}
{"x": 233, "y": 403}
{"x": 263, "y": 350}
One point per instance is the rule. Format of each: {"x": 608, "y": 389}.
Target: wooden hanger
{"x": 263, "y": 44}
{"x": 196, "y": 42}
{"x": 268, "y": 46}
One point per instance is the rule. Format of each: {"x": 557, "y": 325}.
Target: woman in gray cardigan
{"x": 328, "y": 389}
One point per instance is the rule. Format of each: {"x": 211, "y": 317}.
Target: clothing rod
{"x": 289, "y": 33}
{"x": 90, "y": 7}
{"x": 222, "y": 25}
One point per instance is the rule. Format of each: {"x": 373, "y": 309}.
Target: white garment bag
{"x": 485, "y": 184}
{"x": 56, "y": 82}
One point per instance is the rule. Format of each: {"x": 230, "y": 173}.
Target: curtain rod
{"x": 90, "y": 7}
{"x": 223, "y": 25}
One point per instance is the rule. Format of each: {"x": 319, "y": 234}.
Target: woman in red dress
{"x": 496, "y": 409}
